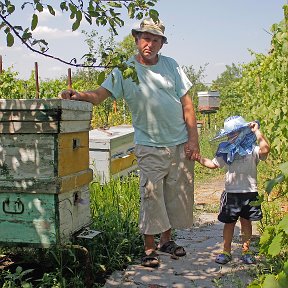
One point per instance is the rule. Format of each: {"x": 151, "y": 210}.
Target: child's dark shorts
{"x": 235, "y": 205}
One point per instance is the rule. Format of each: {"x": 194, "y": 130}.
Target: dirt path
{"x": 202, "y": 243}
{"x": 209, "y": 193}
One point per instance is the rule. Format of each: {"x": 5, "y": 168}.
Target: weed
{"x": 228, "y": 281}
{"x": 17, "y": 279}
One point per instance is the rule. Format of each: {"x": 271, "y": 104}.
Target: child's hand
{"x": 198, "y": 158}
{"x": 254, "y": 126}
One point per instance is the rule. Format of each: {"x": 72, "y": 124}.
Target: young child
{"x": 240, "y": 155}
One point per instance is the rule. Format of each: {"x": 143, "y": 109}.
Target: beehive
{"x": 44, "y": 170}
{"x": 112, "y": 152}
{"x": 208, "y": 101}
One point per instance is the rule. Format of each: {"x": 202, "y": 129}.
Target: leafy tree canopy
{"x": 100, "y": 12}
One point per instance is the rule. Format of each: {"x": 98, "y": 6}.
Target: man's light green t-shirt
{"x": 157, "y": 114}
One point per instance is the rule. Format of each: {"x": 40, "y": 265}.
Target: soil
{"x": 209, "y": 192}
{"x": 202, "y": 243}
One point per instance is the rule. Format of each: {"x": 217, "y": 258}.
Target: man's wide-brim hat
{"x": 232, "y": 124}
{"x": 149, "y": 26}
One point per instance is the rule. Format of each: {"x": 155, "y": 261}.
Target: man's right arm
{"x": 94, "y": 96}
{"x": 263, "y": 142}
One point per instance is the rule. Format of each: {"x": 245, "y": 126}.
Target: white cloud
{"x": 46, "y": 16}
{"x": 53, "y": 33}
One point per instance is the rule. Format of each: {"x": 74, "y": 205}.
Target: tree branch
{"x": 49, "y": 55}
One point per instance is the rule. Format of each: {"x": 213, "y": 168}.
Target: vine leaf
{"x": 260, "y": 199}
{"x": 284, "y": 168}
{"x": 275, "y": 246}
{"x": 51, "y": 10}
{"x": 10, "y": 40}
{"x": 284, "y": 224}
{"x": 75, "y": 25}
{"x": 282, "y": 280}
{"x": 265, "y": 237}
{"x": 34, "y": 22}
{"x": 154, "y": 14}
{"x": 271, "y": 183}
{"x": 285, "y": 267}
{"x": 270, "y": 282}
{"x": 101, "y": 77}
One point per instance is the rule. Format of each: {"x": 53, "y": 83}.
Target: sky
{"x": 199, "y": 32}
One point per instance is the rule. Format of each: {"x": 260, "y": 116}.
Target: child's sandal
{"x": 248, "y": 258}
{"x": 223, "y": 258}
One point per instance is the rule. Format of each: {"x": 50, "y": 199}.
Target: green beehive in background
{"x": 44, "y": 170}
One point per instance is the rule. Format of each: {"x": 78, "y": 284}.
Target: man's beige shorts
{"x": 166, "y": 188}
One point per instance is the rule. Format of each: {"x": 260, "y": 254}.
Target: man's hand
{"x": 94, "y": 96}
{"x": 69, "y": 94}
{"x": 192, "y": 150}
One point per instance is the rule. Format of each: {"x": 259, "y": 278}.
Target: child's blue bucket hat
{"x": 243, "y": 143}
{"x": 231, "y": 124}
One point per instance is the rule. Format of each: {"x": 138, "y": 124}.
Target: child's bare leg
{"x": 228, "y": 232}
{"x": 246, "y": 231}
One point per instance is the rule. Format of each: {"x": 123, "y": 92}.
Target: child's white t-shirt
{"x": 241, "y": 175}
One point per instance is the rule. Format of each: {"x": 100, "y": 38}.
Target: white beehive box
{"x": 111, "y": 152}
{"x": 208, "y": 100}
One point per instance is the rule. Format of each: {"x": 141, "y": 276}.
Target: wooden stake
{"x": 69, "y": 79}
{"x": 115, "y": 106}
{"x": 1, "y": 64}
{"x": 37, "y": 80}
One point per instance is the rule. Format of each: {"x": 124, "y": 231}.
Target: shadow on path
{"x": 198, "y": 268}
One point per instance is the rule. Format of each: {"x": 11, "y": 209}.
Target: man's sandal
{"x": 223, "y": 258}
{"x": 172, "y": 248}
{"x": 151, "y": 260}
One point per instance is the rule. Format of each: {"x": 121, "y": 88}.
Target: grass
{"x": 114, "y": 210}
{"x": 208, "y": 208}
{"x": 207, "y": 150}
{"x": 230, "y": 280}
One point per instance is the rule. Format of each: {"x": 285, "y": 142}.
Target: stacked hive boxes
{"x": 44, "y": 170}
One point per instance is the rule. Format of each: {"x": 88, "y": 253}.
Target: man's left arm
{"x": 192, "y": 149}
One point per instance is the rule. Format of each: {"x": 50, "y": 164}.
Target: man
{"x": 164, "y": 121}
